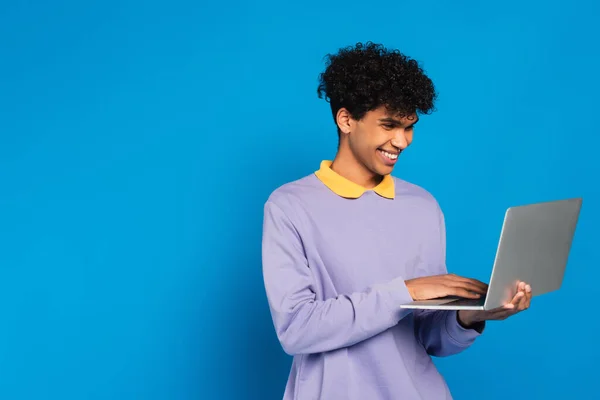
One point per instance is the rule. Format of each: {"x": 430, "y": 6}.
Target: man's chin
{"x": 385, "y": 169}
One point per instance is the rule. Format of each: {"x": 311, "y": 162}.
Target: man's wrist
{"x": 464, "y": 321}
{"x": 409, "y": 289}
{"x": 467, "y": 323}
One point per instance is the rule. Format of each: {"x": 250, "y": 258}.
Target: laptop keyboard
{"x": 468, "y": 302}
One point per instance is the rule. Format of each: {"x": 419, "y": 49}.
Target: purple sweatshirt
{"x": 335, "y": 258}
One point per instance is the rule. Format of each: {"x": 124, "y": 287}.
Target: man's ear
{"x": 344, "y": 121}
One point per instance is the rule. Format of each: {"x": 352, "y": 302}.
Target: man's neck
{"x": 346, "y": 165}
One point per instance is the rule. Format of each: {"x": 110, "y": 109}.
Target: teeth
{"x": 389, "y": 155}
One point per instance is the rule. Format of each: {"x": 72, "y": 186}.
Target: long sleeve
{"x": 439, "y": 330}
{"x": 440, "y": 333}
{"x": 304, "y": 324}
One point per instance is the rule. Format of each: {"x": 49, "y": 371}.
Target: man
{"x": 345, "y": 246}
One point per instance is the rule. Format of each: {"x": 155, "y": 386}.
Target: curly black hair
{"x": 367, "y": 76}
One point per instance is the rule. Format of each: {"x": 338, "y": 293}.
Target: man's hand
{"x": 432, "y": 287}
{"x": 520, "y": 302}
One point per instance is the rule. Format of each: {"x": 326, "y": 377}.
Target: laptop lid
{"x": 534, "y": 247}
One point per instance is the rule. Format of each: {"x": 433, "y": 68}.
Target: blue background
{"x": 139, "y": 141}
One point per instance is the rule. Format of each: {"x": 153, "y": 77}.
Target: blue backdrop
{"x": 139, "y": 141}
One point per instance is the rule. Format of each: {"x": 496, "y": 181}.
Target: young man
{"x": 345, "y": 246}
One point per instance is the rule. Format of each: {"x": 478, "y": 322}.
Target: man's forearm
{"x": 306, "y": 326}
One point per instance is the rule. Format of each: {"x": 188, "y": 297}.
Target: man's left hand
{"x": 520, "y": 302}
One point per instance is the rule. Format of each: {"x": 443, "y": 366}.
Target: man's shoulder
{"x": 290, "y": 192}
{"x": 406, "y": 189}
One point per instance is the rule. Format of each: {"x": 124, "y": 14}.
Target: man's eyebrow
{"x": 395, "y": 121}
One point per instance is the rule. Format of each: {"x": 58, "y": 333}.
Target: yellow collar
{"x": 346, "y": 188}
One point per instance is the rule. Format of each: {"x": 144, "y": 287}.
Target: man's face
{"x": 378, "y": 139}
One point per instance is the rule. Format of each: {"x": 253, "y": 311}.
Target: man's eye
{"x": 388, "y": 126}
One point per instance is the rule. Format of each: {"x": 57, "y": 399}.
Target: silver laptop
{"x": 534, "y": 246}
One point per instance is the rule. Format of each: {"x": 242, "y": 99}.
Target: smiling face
{"x": 376, "y": 140}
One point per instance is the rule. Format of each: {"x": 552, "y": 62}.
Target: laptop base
{"x": 447, "y": 303}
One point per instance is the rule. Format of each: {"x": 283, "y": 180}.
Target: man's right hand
{"x": 432, "y": 287}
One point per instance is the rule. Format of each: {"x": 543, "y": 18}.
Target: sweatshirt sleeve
{"x": 304, "y": 324}
{"x": 441, "y": 334}
{"x": 439, "y": 331}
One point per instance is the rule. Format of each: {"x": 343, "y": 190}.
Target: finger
{"x": 516, "y": 300}
{"x": 508, "y": 307}
{"x": 503, "y": 312}
{"x": 528, "y": 295}
{"x": 522, "y": 304}
{"x": 468, "y": 286}
{"x": 461, "y": 292}
{"x": 514, "y": 306}
{"x": 501, "y": 309}
{"x": 458, "y": 278}
{"x": 524, "y": 294}
{"x": 471, "y": 281}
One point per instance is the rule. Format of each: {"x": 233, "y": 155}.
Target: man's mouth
{"x": 388, "y": 155}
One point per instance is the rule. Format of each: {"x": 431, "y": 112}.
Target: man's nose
{"x": 399, "y": 140}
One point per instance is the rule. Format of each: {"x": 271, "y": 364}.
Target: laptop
{"x": 534, "y": 246}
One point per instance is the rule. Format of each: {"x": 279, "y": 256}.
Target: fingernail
{"x": 528, "y": 288}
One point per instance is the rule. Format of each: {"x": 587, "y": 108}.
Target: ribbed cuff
{"x": 459, "y": 334}
{"x": 395, "y": 293}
